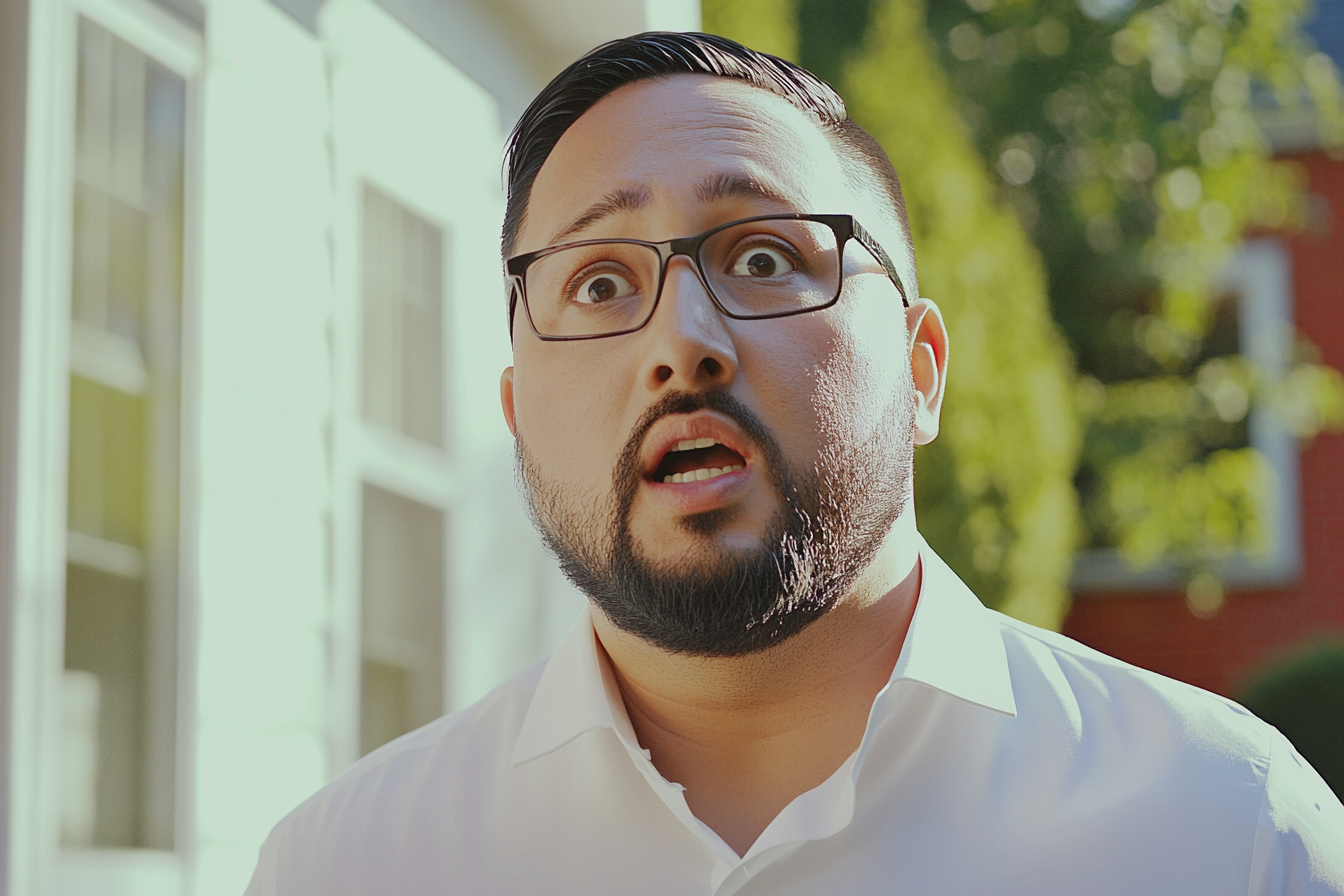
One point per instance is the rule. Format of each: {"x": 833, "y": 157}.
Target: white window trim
{"x": 37, "y": 864}
{"x": 150, "y": 29}
{"x": 1262, "y": 271}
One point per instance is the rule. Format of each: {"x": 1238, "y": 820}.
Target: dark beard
{"x": 732, "y": 603}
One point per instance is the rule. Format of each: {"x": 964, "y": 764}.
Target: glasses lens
{"x": 592, "y": 290}
{"x": 774, "y": 266}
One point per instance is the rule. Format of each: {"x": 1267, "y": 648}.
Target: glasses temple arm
{"x": 873, "y": 246}
{"x": 515, "y": 288}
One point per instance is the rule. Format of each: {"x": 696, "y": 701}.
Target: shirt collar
{"x": 577, "y": 692}
{"x": 954, "y": 645}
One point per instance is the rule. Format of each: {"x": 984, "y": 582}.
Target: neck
{"x": 746, "y": 735}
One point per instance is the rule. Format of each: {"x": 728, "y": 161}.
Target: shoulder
{"x": 476, "y": 733}
{"x": 1051, "y": 670}
{"x": 1200, "y": 762}
{"x": 1300, "y": 843}
{"x": 427, "y": 780}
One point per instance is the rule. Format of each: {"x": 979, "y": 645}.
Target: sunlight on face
{"x": 827, "y": 393}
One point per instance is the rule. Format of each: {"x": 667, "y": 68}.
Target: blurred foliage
{"x": 770, "y": 26}
{"x": 1122, "y": 136}
{"x": 1303, "y": 696}
{"x": 1125, "y": 138}
{"x": 994, "y": 491}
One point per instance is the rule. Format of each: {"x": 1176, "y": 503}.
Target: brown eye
{"x": 604, "y": 288}
{"x": 762, "y": 262}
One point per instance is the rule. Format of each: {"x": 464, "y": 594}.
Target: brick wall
{"x": 1156, "y": 630}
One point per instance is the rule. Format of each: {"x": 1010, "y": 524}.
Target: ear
{"x": 506, "y": 399}
{"x": 928, "y": 366}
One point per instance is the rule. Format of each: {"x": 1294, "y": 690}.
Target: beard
{"x": 717, "y": 602}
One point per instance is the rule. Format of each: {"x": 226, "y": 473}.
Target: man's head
{"x": 713, "y": 482}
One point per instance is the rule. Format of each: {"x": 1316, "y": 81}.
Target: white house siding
{"x": 264, "y": 410}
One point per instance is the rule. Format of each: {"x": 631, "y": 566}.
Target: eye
{"x": 603, "y": 287}
{"x": 762, "y": 261}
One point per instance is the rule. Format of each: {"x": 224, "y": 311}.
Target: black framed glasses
{"x": 756, "y": 268}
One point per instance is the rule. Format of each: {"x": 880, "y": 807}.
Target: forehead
{"x": 657, "y": 145}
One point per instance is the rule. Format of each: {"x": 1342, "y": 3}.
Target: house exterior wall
{"x": 262, "y": 647}
{"x": 1156, "y": 630}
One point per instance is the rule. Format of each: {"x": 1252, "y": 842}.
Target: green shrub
{"x": 1303, "y": 696}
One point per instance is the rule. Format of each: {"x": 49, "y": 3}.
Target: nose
{"x": 690, "y": 347}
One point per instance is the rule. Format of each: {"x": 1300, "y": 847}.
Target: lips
{"x": 694, "y": 447}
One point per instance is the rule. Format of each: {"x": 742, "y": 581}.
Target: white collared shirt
{"x": 1000, "y": 759}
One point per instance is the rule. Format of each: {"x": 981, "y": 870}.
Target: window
{"x": 119, "y": 694}
{"x": 401, "y": 670}
{"x": 403, "y": 520}
{"x": 1253, "y": 318}
{"x": 403, "y": 320}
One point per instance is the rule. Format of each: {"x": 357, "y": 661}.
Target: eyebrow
{"x": 736, "y": 186}
{"x": 622, "y": 200}
{"x": 712, "y": 189}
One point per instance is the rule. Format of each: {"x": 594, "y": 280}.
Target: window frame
{"x": 33, "y": 678}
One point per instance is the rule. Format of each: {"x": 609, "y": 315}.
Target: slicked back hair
{"x": 661, "y": 54}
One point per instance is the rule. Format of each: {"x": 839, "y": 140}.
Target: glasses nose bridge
{"x": 689, "y": 247}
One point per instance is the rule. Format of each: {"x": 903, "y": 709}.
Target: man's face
{"x": 818, "y": 410}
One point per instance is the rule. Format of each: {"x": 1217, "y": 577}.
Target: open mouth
{"x": 695, "y": 460}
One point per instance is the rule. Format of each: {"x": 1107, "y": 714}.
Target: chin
{"x": 704, "y": 542}
{"x": 711, "y": 522}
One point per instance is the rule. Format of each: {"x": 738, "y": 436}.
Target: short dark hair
{"x": 661, "y": 54}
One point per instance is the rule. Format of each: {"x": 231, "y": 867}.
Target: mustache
{"x": 628, "y": 473}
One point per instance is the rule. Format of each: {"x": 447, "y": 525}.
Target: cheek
{"x": 563, "y": 411}
{"x": 862, "y": 374}
{"x": 781, "y": 367}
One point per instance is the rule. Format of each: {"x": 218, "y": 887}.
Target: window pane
{"x": 118, "y": 704}
{"x": 107, "y": 463}
{"x": 403, "y": 320}
{"x": 105, "y": 634}
{"x": 403, "y": 611}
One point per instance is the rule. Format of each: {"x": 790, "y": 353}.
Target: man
{"x": 721, "y": 368}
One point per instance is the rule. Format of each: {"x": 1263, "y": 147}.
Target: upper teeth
{"x": 690, "y": 444}
{"x": 701, "y": 475}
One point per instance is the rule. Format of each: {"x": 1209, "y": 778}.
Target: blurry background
{"x": 257, "y": 514}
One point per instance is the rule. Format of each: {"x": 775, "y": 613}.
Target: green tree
{"x": 1125, "y": 138}
{"x": 995, "y": 490}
